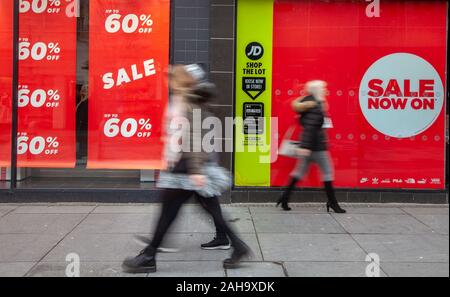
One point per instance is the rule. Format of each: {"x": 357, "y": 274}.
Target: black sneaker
{"x": 217, "y": 244}
{"x": 142, "y": 263}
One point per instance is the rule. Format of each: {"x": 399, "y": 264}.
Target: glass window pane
{"x": 6, "y": 72}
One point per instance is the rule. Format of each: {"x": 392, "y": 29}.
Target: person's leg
{"x": 240, "y": 248}
{"x": 170, "y": 205}
{"x": 220, "y": 241}
{"x": 212, "y": 206}
{"x": 145, "y": 262}
{"x": 323, "y": 160}
{"x": 297, "y": 174}
{"x": 172, "y": 202}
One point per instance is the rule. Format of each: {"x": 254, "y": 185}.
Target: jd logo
{"x": 254, "y": 51}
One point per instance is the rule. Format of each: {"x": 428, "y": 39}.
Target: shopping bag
{"x": 289, "y": 147}
{"x": 327, "y": 123}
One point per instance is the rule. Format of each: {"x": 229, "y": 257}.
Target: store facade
{"x": 90, "y": 78}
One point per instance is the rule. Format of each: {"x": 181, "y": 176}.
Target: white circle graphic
{"x": 405, "y": 95}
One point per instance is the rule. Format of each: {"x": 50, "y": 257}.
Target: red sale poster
{"x": 386, "y": 81}
{"x": 6, "y": 57}
{"x": 128, "y": 92}
{"x": 47, "y": 84}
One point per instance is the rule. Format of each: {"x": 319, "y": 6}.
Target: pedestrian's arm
{"x": 299, "y": 105}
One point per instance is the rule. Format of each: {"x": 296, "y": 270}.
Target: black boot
{"x": 332, "y": 201}
{"x": 240, "y": 251}
{"x": 145, "y": 262}
{"x": 284, "y": 200}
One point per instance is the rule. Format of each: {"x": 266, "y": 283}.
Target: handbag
{"x": 218, "y": 181}
{"x": 289, "y": 147}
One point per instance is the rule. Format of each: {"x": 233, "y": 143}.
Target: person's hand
{"x": 198, "y": 180}
{"x": 303, "y": 152}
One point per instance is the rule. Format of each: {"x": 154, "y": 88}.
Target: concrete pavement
{"x": 410, "y": 240}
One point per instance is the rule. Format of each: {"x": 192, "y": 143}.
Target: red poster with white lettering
{"x": 47, "y": 84}
{"x": 128, "y": 92}
{"x": 386, "y": 81}
{"x": 6, "y": 57}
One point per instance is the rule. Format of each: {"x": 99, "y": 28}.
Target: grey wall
{"x": 203, "y": 32}
{"x": 190, "y": 32}
{"x": 222, "y": 45}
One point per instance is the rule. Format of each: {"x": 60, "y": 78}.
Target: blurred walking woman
{"x": 192, "y": 172}
{"x": 313, "y": 144}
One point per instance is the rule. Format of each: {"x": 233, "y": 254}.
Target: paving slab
{"x": 381, "y": 224}
{"x": 406, "y": 248}
{"x": 296, "y": 209}
{"x": 327, "y": 269}
{"x": 113, "y": 269}
{"x": 4, "y": 209}
{"x": 116, "y": 209}
{"x": 416, "y": 269}
{"x": 189, "y": 269}
{"x": 322, "y": 210}
{"x": 296, "y": 223}
{"x": 26, "y": 247}
{"x": 310, "y": 247}
{"x": 95, "y": 247}
{"x": 438, "y": 223}
{"x": 98, "y": 223}
{"x": 17, "y": 223}
{"x": 266, "y": 269}
{"x": 374, "y": 210}
{"x": 89, "y": 269}
{"x": 435, "y": 210}
{"x": 117, "y": 223}
{"x": 116, "y": 247}
{"x": 54, "y": 209}
{"x": 15, "y": 269}
{"x": 411, "y": 240}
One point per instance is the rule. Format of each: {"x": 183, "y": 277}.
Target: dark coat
{"x": 313, "y": 136}
{"x": 193, "y": 161}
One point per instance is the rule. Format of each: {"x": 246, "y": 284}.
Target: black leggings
{"x": 173, "y": 199}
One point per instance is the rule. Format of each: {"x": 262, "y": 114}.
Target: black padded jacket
{"x": 313, "y": 136}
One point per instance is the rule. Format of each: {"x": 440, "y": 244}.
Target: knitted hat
{"x": 196, "y": 72}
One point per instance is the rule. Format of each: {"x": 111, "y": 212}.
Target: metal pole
{"x": 15, "y": 83}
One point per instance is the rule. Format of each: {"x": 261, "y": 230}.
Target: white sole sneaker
{"x": 220, "y": 247}
{"x": 168, "y": 250}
